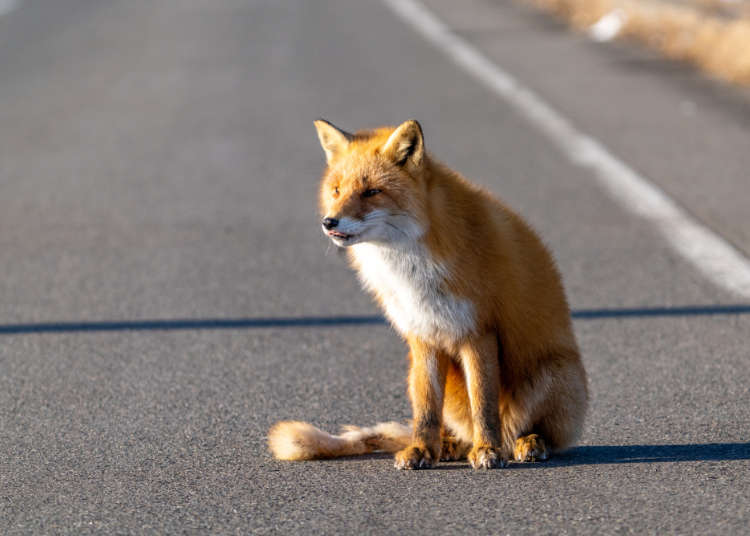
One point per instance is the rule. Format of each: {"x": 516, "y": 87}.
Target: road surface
{"x": 167, "y": 294}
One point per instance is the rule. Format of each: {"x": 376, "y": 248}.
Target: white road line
{"x": 712, "y": 255}
{"x": 6, "y": 6}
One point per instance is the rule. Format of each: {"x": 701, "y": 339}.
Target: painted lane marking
{"x": 708, "y": 252}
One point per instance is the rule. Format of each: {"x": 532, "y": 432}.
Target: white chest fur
{"x": 411, "y": 286}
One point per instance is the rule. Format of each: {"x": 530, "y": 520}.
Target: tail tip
{"x": 286, "y": 440}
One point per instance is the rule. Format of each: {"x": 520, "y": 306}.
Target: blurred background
{"x": 711, "y": 34}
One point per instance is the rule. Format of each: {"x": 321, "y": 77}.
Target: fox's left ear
{"x": 406, "y": 144}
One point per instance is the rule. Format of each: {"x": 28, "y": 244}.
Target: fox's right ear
{"x": 406, "y": 144}
{"x": 332, "y": 139}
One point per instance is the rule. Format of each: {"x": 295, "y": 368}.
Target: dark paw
{"x": 453, "y": 449}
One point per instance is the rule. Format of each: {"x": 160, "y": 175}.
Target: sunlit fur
{"x": 294, "y": 440}
{"x": 495, "y": 369}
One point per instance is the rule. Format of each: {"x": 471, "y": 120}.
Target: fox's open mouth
{"x": 340, "y": 236}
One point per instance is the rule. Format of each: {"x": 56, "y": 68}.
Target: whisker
{"x": 399, "y": 230}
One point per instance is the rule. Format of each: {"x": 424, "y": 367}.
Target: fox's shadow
{"x": 616, "y": 454}
{"x": 696, "y": 452}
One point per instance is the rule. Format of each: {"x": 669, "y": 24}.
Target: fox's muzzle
{"x": 330, "y": 223}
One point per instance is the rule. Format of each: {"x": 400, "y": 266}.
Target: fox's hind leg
{"x": 457, "y": 427}
{"x": 453, "y": 449}
{"x": 546, "y": 415}
{"x": 530, "y": 448}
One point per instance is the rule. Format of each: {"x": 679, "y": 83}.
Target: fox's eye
{"x": 335, "y": 191}
{"x": 371, "y": 192}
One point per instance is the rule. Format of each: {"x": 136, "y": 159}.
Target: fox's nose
{"x": 330, "y": 223}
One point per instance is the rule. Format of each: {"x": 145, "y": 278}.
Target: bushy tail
{"x": 294, "y": 440}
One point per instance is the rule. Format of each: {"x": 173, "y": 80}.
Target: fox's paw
{"x": 530, "y": 448}
{"x": 453, "y": 449}
{"x": 487, "y": 458}
{"x": 414, "y": 458}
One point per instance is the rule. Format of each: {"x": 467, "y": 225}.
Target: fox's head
{"x": 373, "y": 187}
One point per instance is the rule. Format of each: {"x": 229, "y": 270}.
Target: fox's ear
{"x": 406, "y": 144}
{"x": 332, "y": 139}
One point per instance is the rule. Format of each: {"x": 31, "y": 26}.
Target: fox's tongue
{"x": 338, "y": 234}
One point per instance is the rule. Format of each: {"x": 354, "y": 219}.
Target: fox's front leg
{"x": 481, "y": 364}
{"x": 426, "y": 386}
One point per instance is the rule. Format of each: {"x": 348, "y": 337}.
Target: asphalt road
{"x": 158, "y": 173}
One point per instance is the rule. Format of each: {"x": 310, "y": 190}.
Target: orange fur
{"x": 470, "y": 286}
{"x": 294, "y": 440}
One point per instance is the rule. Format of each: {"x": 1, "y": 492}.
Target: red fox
{"x": 495, "y": 370}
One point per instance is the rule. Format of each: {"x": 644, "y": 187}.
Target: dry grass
{"x": 717, "y": 43}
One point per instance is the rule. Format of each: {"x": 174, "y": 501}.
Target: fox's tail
{"x": 294, "y": 440}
